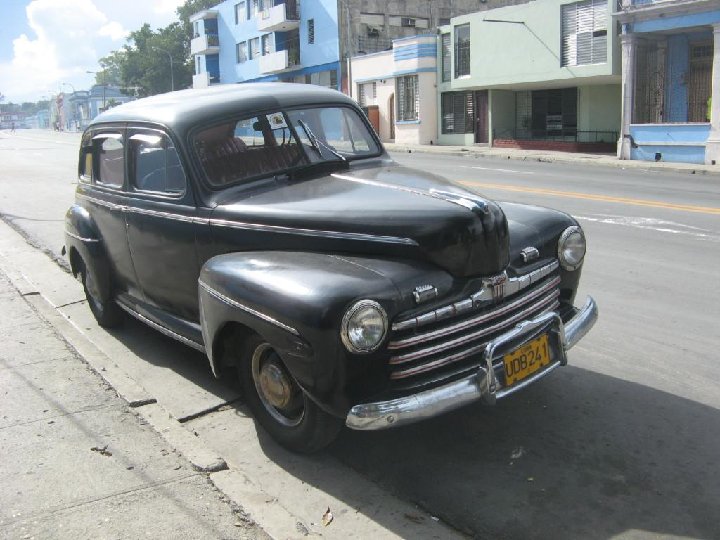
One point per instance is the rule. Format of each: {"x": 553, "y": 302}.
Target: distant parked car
{"x": 265, "y": 225}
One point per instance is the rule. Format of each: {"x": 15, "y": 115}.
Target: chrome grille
{"x": 450, "y": 340}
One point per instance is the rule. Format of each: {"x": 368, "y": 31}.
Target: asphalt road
{"x": 621, "y": 443}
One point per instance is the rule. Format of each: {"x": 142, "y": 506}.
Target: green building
{"x": 545, "y": 75}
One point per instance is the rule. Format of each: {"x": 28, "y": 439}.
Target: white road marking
{"x": 513, "y": 171}
{"x": 654, "y": 224}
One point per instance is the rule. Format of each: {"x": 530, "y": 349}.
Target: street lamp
{"x": 172, "y": 76}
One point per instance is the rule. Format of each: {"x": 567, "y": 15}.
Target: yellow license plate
{"x": 526, "y": 360}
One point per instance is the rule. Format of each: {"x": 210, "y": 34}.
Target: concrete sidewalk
{"x": 76, "y": 462}
{"x": 548, "y": 156}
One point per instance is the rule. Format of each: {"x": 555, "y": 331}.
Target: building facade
{"x": 309, "y": 41}
{"x": 398, "y": 89}
{"x": 545, "y": 74}
{"x": 671, "y": 80}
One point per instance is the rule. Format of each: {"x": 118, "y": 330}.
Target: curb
{"x": 276, "y": 499}
{"x": 598, "y": 160}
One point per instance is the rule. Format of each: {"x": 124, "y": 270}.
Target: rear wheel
{"x": 106, "y": 312}
{"x": 278, "y": 402}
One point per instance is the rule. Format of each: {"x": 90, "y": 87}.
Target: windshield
{"x": 282, "y": 141}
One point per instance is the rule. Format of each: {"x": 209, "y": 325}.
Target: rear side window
{"x": 155, "y": 164}
{"x": 110, "y": 156}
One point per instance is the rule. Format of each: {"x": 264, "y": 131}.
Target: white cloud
{"x": 69, "y": 37}
{"x": 114, "y": 30}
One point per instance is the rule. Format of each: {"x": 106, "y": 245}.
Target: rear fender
{"x": 84, "y": 245}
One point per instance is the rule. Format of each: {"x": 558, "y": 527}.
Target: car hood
{"x": 389, "y": 211}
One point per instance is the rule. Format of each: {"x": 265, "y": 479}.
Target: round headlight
{"x": 364, "y": 326}
{"x": 571, "y": 248}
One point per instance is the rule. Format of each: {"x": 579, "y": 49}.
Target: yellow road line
{"x": 592, "y": 197}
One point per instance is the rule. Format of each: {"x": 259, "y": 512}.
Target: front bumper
{"x": 483, "y": 385}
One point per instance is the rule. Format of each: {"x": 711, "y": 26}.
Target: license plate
{"x": 526, "y": 360}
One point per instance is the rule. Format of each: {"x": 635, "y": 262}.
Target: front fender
{"x": 83, "y": 241}
{"x": 296, "y": 302}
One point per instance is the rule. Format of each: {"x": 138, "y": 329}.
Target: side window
{"x": 110, "y": 154}
{"x": 85, "y": 169}
{"x": 155, "y": 164}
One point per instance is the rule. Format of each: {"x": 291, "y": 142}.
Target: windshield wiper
{"x": 317, "y": 143}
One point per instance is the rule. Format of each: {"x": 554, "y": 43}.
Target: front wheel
{"x": 106, "y": 312}
{"x": 278, "y": 402}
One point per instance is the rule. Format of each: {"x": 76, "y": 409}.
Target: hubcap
{"x": 276, "y": 388}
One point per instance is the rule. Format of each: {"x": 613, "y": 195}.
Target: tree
{"x": 143, "y": 64}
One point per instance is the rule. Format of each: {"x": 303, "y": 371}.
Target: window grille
{"x": 584, "y": 33}
{"x": 240, "y": 12}
{"x": 462, "y": 50}
{"x": 361, "y": 95}
{"x": 311, "y": 31}
{"x": 408, "y": 101}
{"x": 333, "y": 78}
{"x": 458, "y": 112}
{"x": 699, "y": 82}
{"x": 241, "y": 52}
{"x": 254, "y": 48}
{"x": 446, "y": 57}
{"x": 649, "y": 99}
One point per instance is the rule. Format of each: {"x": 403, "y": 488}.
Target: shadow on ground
{"x": 581, "y": 455}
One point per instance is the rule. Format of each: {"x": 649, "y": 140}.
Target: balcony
{"x": 203, "y": 80}
{"x": 279, "y": 61}
{"x": 280, "y": 18}
{"x": 205, "y": 44}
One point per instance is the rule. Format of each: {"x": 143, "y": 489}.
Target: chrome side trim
{"x": 251, "y": 311}
{"x": 485, "y": 317}
{"x": 160, "y": 328}
{"x": 512, "y": 286}
{"x": 81, "y": 238}
{"x": 473, "y": 388}
{"x": 339, "y": 235}
{"x": 100, "y": 202}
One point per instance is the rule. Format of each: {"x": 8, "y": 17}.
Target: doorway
{"x": 481, "y": 116}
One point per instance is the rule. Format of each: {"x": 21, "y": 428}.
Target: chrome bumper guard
{"x": 481, "y": 386}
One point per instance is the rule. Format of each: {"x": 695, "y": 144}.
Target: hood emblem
{"x": 529, "y": 254}
{"x": 423, "y": 293}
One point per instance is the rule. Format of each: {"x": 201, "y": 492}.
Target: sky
{"x": 47, "y": 46}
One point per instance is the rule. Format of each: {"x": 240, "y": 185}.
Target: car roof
{"x": 184, "y": 109}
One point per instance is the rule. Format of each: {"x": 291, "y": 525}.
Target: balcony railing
{"x": 280, "y": 18}
{"x": 559, "y": 134}
{"x": 205, "y": 44}
{"x": 280, "y": 61}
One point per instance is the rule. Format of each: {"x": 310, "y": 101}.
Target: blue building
{"x": 256, "y": 40}
{"x": 308, "y": 42}
{"x": 671, "y": 80}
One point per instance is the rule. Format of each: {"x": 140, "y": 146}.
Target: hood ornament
{"x": 474, "y": 204}
{"x": 423, "y": 293}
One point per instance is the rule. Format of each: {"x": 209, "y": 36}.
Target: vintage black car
{"x": 265, "y": 225}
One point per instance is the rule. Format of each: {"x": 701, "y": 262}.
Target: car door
{"x": 162, "y": 221}
{"x": 104, "y": 199}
